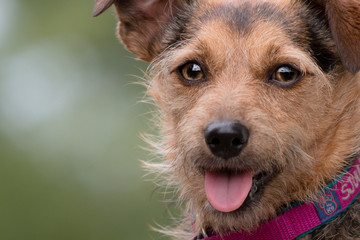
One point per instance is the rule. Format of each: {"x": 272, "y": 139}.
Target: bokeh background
{"x": 70, "y": 126}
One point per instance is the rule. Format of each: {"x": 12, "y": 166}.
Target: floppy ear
{"x": 142, "y": 23}
{"x": 344, "y": 22}
{"x": 101, "y": 6}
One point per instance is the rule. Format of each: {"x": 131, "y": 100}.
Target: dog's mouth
{"x": 228, "y": 191}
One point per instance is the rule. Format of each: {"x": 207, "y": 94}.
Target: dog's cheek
{"x": 176, "y": 102}
{"x": 179, "y": 99}
{"x": 296, "y": 116}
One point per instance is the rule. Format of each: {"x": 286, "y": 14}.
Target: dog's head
{"x": 256, "y": 97}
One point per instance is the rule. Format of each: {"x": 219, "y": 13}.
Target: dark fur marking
{"x": 246, "y": 16}
{"x": 241, "y": 19}
{"x": 177, "y": 31}
{"x": 319, "y": 37}
{"x": 323, "y": 56}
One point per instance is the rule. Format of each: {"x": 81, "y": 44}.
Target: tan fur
{"x": 308, "y": 131}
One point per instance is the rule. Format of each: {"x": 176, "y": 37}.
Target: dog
{"x": 259, "y": 109}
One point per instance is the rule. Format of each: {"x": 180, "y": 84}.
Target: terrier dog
{"x": 260, "y": 111}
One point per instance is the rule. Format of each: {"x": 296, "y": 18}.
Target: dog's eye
{"x": 285, "y": 75}
{"x": 191, "y": 72}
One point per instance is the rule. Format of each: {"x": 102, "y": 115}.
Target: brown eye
{"x": 285, "y": 75}
{"x": 191, "y": 72}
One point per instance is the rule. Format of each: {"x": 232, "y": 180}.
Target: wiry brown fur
{"x": 305, "y": 134}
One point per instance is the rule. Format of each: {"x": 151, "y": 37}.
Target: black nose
{"x": 226, "y": 139}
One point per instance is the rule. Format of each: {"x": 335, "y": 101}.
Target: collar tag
{"x": 327, "y": 205}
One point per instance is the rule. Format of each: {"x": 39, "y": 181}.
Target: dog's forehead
{"x": 244, "y": 15}
{"x": 228, "y": 23}
{"x": 237, "y": 2}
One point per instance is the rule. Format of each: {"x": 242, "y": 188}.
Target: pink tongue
{"x": 225, "y": 191}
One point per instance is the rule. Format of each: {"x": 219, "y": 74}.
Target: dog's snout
{"x": 226, "y": 139}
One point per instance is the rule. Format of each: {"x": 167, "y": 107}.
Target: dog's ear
{"x": 142, "y": 23}
{"x": 101, "y": 6}
{"x": 344, "y": 22}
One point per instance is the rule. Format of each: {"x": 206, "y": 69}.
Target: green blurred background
{"x": 70, "y": 127}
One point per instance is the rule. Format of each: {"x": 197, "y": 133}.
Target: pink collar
{"x": 305, "y": 217}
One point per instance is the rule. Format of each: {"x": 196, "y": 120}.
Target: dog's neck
{"x": 305, "y": 217}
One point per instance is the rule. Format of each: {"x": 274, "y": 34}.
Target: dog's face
{"x": 256, "y": 98}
